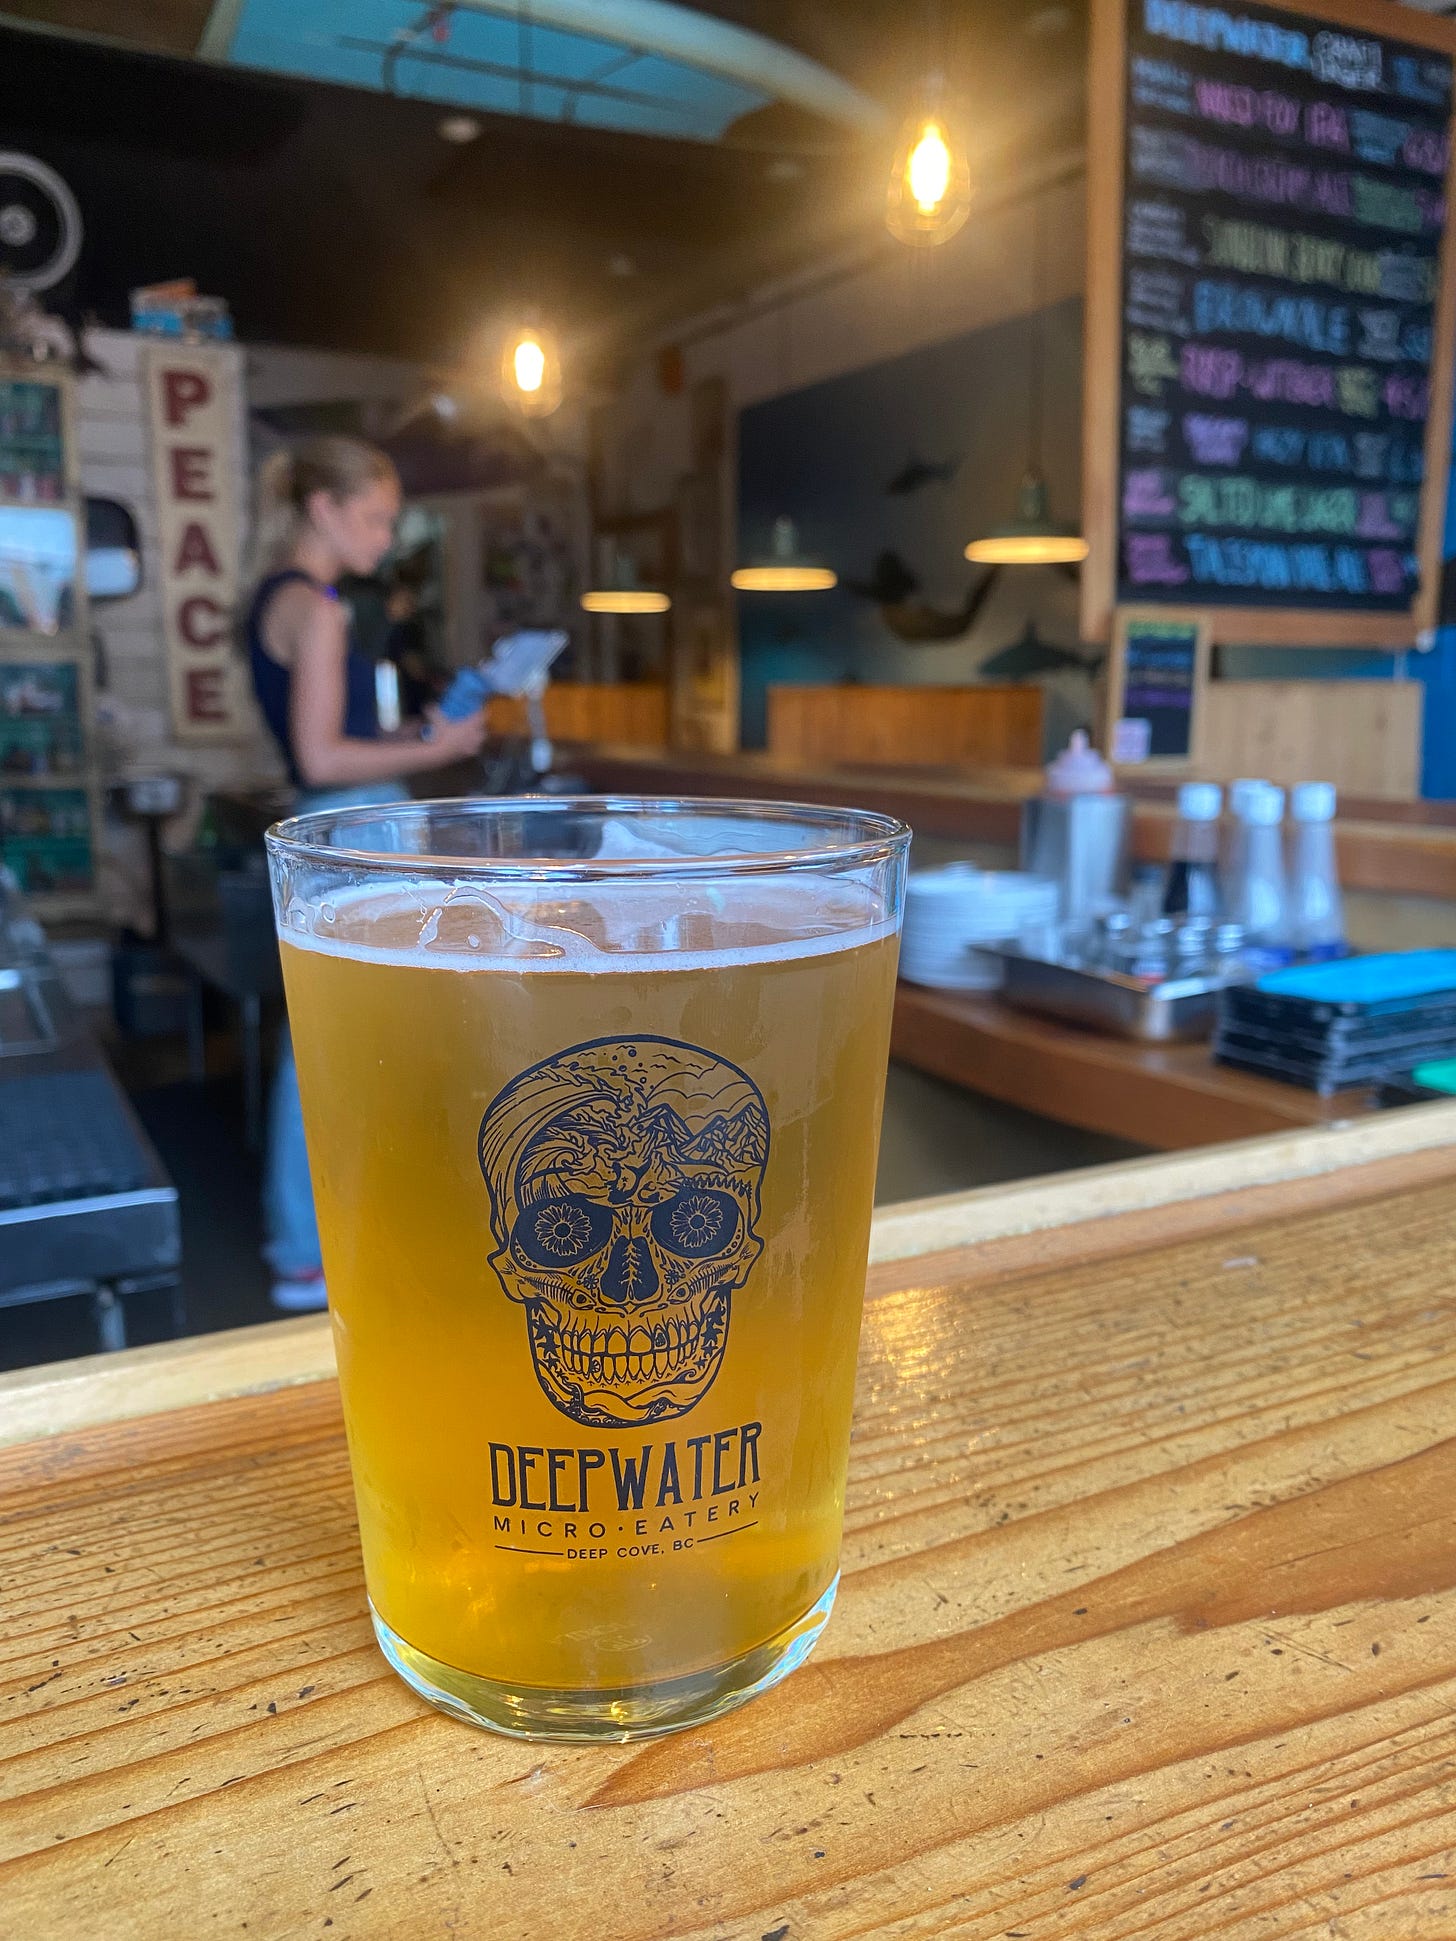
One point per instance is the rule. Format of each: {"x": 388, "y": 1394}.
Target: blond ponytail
{"x": 342, "y": 467}
{"x": 274, "y": 518}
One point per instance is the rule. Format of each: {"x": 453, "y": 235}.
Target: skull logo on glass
{"x": 624, "y": 1178}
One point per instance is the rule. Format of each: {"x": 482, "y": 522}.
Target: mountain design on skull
{"x": 625, "y": 1179}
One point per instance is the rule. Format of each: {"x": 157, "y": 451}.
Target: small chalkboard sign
{"x": 1270, "y": 316}
{"x": 1157, "y": 674}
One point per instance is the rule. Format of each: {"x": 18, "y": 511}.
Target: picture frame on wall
{"x": 1157, "y": 677}
{"x": 50, "y": 782}
{"x": 33, "y": 446}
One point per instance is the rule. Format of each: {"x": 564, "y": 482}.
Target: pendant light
{"x": 929, "y": 196}
{"x": 1031, "y": 537}
{"x": 620, "y": 593}
{"x": 530, "y": 371}
{"x": 784, "y": 569}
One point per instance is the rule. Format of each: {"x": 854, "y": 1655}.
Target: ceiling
{"x": 337, "y": 215}
{"x": 875, "y": 44}
{"x": 532, "y": 63}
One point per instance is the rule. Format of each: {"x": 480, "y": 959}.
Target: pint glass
{"x": 592, "y": 1092}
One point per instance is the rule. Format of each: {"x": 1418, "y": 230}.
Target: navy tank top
{"x": 273, "y": 683}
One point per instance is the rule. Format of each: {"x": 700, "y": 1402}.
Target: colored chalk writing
{"x": 1282, "y": 225}
{"x": 1160, "y": 681}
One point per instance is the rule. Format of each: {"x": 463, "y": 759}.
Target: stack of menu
{"x": 1328, "y": 1026}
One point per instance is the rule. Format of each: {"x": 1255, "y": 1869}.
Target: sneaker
{"x": 300, "y": 1293}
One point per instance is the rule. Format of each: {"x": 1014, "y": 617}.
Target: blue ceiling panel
{"x": 490, "y": 63}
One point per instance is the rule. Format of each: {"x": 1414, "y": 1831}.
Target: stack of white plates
{"x": 952, "y": 914}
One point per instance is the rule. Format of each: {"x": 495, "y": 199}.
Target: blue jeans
{"x": 291, "y": 1239}
{"x": 291, "y": 1246}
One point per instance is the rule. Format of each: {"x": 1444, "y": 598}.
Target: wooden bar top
{"x": 1147, "y": 1628}
{"x": 1166, "y": 1096}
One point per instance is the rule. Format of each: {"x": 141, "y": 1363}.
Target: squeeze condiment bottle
{"x": 1075, "y": 832}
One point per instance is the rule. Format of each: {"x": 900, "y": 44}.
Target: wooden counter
{"x": 984, "y": 723}
{"x": 609, "y": 711}
{"x": 1392, "y": 848}
{"x": 1164, "y": 1096}
{"x": 1147, "y": 1627}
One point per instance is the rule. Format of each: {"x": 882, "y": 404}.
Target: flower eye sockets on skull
{"x": 696, "y": 1223}
{"x": 561, "y": 1232}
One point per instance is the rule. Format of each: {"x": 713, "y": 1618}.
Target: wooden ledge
{"x": 63, "y": 1395}
{"x": 1390, "y": 848}
{"x": 1408, "y": 1144}
{"x": 992, "y": 1232}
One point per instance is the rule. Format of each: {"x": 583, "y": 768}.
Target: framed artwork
{"x": 1157, "y": 674}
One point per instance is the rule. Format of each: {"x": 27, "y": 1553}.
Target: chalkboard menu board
{"x": 1280, "y": 251}
{"x": 1157, "y": 673}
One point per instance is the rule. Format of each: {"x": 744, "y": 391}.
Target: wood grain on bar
{"x": 1147, "y": 1629}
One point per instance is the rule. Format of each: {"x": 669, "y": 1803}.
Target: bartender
{"x": 325, "y": 509}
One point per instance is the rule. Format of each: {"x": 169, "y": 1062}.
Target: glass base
{"x": 597, "y": 1717}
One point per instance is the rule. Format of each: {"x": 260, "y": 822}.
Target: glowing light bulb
{"x": 530, "y": 371}
{"x": 928, "y": 173}
{"x": 930, "y": 183}
{"x": 529, "y": 364}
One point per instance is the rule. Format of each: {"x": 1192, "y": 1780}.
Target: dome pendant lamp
{"x": 1031, "y": 537}
{"x": 785, "y": 569}
{"x": 621, "y": 594}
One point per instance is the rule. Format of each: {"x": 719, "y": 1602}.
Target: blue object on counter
{"x": 466, "y": 694}
{"x": 1380, "y": 979}
{"x": 517, "y": 662}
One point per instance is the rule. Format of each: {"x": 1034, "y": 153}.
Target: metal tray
{"x": 1128, "y": 1007}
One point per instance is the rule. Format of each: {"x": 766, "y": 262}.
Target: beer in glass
{"x": 592, "y": 1093}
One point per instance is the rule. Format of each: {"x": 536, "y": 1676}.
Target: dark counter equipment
{"x": 85, "y": 1206}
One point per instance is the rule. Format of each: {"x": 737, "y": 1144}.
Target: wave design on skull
{"x": 624, "y": 1178}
